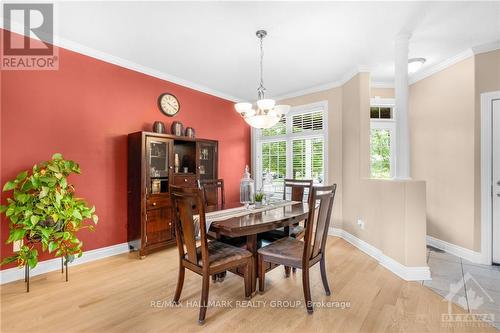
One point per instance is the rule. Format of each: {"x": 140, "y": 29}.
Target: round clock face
{"x": 168, "y": 104}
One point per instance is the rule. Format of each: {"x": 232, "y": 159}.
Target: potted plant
{"x": 43, "y": 209}
{"x": 259, "y": 198}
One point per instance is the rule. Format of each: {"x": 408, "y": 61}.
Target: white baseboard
{"x": 462, "y": 252}
{"x": 13, "y": 274}
{"x": 405, "y": 272}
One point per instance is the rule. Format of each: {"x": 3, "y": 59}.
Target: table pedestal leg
{"x": 252, "y": 247}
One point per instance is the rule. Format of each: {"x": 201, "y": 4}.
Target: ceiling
{"x": 213, "y": 44}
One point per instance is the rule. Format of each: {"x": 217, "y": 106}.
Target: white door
{"x": 496, "y": 181}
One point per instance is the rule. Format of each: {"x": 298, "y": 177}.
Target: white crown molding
{"x": 326, "y": 86}
{"x": 407, "y": 273}
{"x": 13, "y": 274}
{"x": 106, "y": 57}
{"x": 381, "y": 84}
{"x": 488, "y": 47}
{"x": 462, "y": 252}
{"x": 484, "y": 48}
{"x": 424, "y": 73}
{"x": 307, "y": 91}
{"x": 88, "y": 51}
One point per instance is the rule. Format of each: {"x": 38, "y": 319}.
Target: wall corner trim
{"x": 15, "y": 273}
{"x": 405, "y": 272}
{"x": 462, "y": 252}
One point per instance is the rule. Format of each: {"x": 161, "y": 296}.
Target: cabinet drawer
{"x": 185, "y": 180}
{"x": 154, "y": 202}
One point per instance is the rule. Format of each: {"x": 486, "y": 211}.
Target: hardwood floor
{"x": 116, "y": 295}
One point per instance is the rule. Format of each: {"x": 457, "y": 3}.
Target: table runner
{"x": 225, "y": 214}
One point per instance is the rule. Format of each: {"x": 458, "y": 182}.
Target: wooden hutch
{"x": 152, "y": 168}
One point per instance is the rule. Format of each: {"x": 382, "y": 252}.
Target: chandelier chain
{"x": 261, "y": 63}
{"x": 261, "y": 89}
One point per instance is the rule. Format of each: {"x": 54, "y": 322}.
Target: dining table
{"x": 256, "y": 222}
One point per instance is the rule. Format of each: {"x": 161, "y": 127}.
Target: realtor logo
{"x": 28, "y": 37}
{"x": 476, "y": 297}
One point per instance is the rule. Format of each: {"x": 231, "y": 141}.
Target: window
{"x": 274, "y": 161}
{"x": 382, "y": 139}
{"x": 381, "y": 112}
{"x": 278, "y": 129}
{"x": 293, "y": 148}
{"x": 307, "y": 155}
{"x": 380, "y": 142}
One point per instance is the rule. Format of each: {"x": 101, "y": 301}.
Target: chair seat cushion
{"x": 221, "y": 253}
{"x": 286, "y": 250}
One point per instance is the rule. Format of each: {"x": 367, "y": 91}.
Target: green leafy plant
{"x": 259, "y": 197}
{"x": 43, "y": 209}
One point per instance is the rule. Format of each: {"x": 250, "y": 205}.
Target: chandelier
{"x": 267, "y": 113}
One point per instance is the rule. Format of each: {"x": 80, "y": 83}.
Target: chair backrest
{"x": 318, "y": 221}
{"x": 294, "y": 189}
{"x": 213, "y": 189}
{"x": 186, "y": 202}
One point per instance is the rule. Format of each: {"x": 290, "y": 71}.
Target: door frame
{"x": 486, "y": 175}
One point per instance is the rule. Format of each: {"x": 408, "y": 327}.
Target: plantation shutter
{"x": 308, "y": 159}
{"x": 311, "y": 121}
{"x": 293, "y": 148}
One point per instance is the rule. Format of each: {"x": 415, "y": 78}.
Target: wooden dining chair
{"x": 210, "y": 257}
{"x": 213, "y": 189}
{"x": 304, "y": 254}
{"x": 295, "y": 190}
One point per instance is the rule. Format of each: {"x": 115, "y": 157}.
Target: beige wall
{"x": 487, "y": 79}
{"x": 382, "y": 92}
{"x": 393, "y": 211}
{"x": 445, "y": 141}
{"x": 445, "y": 160}
{"x": 334, "y": 99}
{"x": 442, "y": 150}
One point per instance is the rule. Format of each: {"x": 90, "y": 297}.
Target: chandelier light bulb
{"x": 266, "y": 104}
{"x": 243, "y": 107}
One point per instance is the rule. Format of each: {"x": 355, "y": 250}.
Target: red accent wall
{"x": 85, "y": 110}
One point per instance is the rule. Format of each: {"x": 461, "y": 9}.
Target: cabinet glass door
{"x": 207, "y": 160}
{"x": 158, "y": 165}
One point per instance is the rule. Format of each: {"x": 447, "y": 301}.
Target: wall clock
{"x": 168, "y": 104}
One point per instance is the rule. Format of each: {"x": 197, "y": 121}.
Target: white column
{"x": 401, "y": 92}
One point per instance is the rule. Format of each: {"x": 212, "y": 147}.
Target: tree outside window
{"x": 380, "y": 153}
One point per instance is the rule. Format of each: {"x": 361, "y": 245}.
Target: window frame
{"x": 258, "y": 139}
{"x": 385, "y": 124}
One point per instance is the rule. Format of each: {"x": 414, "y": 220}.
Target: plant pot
{"x": 258, "y": 204}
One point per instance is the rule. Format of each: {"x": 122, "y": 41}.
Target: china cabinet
{"x": 156, "y": 161}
